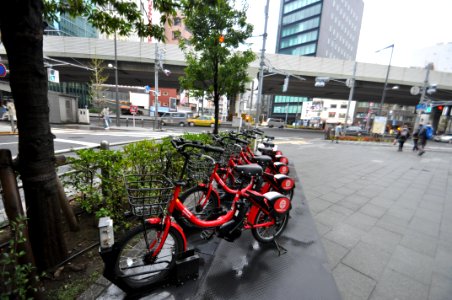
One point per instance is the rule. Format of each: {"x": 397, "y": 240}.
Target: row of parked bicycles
{"x": 235, "y": 190}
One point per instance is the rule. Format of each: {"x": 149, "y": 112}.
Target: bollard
{"x": 142, "y": 123}
{"x": 127, "y": 122}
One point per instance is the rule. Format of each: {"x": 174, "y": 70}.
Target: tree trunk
{"x": 22, "y": 35}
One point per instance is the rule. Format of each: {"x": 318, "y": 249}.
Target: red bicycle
{"x": 147, "y": 254}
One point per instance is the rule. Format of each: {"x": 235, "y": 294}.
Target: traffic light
{"x": 440, "y": 108}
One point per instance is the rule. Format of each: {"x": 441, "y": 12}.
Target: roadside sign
{"x": 133, "y": 109}
{"x": 2, "y": 70}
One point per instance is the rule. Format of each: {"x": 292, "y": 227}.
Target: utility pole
{"x": 350, "y": 95}
{"x": 262, "y": 64}
{"x": 156, "y": 88}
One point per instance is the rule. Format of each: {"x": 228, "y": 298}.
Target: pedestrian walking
{"x": 416, "y": 138}
{"x": 105, "y": 114}
{"x": 402, "y": 135}
{"x": 423, "y": 137}
{"x": 337, "y": 132}
{"x": 12, "y": 115}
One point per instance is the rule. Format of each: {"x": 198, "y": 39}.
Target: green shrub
{"x": 15, "y": 277}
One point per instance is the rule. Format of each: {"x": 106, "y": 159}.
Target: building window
{"x": 342, "y": 116}
{"x": 343, "y": 105}
{"x": 302, "y": 14}
{"x": 333, "y": 106}
{"x": 331, "y": 114}
{"x": 299, "y": 27}
{"x": 299, "y": 39}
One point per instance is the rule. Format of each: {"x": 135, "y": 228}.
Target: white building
{"x": 326, "y": 111}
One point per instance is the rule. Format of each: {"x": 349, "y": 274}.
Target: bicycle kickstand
{"x": 281, "y": 249}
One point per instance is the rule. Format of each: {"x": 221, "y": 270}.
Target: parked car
{"x": 444, "y": 138}
{"x": 274, "y": 122}
{"x": 355, "y": 130}
{"x": 202, "y": 121}
{"x": 176, "y": 118}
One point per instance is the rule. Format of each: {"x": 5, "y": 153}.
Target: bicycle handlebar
{"x": 180, "y": 145}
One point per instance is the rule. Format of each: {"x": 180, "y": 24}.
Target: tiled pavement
{"x": 385, "y": 217}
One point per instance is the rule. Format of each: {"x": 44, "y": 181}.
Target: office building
{"x": 321, "y": 28}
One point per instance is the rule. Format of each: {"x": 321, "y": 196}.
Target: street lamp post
{"x": 383, "y": 96}
{"x": 118, "y": 111}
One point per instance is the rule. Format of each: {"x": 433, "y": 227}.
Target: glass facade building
{"x": 321, "y": 28}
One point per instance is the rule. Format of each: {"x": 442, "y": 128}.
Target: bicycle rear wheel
{"x": 133, "y": 265}
{"x": 268, "y": 234}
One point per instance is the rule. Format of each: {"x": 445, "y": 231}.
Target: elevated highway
{"x": 136, "y": 68}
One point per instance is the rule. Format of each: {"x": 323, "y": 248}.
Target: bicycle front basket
{"x": 199, "y": 169}
{"x": 148, "y": 194}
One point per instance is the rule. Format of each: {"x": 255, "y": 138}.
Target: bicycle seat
{"x": 249, "y": 170}
{"x": 269, "y": 145}
{"x": 263, "y": 160}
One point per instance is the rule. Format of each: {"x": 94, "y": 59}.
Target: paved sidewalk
{"x": 385, "y": 217}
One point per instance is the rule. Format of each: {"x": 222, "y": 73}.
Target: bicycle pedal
{"x": 207, "y": 234}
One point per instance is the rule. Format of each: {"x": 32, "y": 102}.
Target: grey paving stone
{"x": 334, "y": 251}
{"x": 382, "y": 238}
{"x": 433, "y": 206}
{"x": 352, "y": 284}
{"x": 373, "y": 210}
{"x": 340, "y": 209}
{"x": 367, "y": 259}
{"x": 370, "y": 192}
{"x": 393, "y": 224}
{"x": 394, "y": 285}
{"x": 429, "y": 215}
{"x": 361, "y": 221}
{"x": 401, "y": 212}
{"x": 345, "y": 191}
{"x": 332, "y": 197}
{"x": 322, "y": 228}
{"x": 330, "y": 217}
{"x": 412, "y": 264}
{"x": 443, "y": 262}
{"x": 420, "y": 243}
{"x": 382, "y": 201}
{"x": 441, "y": 287}
{"x": 424, "y": 226}
{"x": 318, "y": 205}
{"x": 345, "y": 235}
{"x": 349, "y": 204}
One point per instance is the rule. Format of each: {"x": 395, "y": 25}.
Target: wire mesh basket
{"x": 199, "y": 168}
{"x": 148, "y": 194}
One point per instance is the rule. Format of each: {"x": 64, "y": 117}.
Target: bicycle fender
{"x": 252, "y": 214}
{"x": 174, "y": 225}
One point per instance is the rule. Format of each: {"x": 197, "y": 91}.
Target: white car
{"x": 444, "y": 138}
{"x": 274, "y": 122}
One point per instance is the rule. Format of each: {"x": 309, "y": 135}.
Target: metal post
{"x": 383, "y": 96}
{"x": 156, "y": 91}
{"x": 251, "y": 97}
{"x": 118, "y": 111}
{"x": 262, "y": 63}
{"x": 424, "y": 90}
{"x": 350, "y": 95}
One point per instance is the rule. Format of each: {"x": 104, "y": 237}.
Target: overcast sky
{"x": 408, "y": 24}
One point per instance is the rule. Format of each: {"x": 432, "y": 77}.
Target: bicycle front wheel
{"x": 196, "y": 201}
{"x": 268, "y": 234}
{"x": 133, "y": 264}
